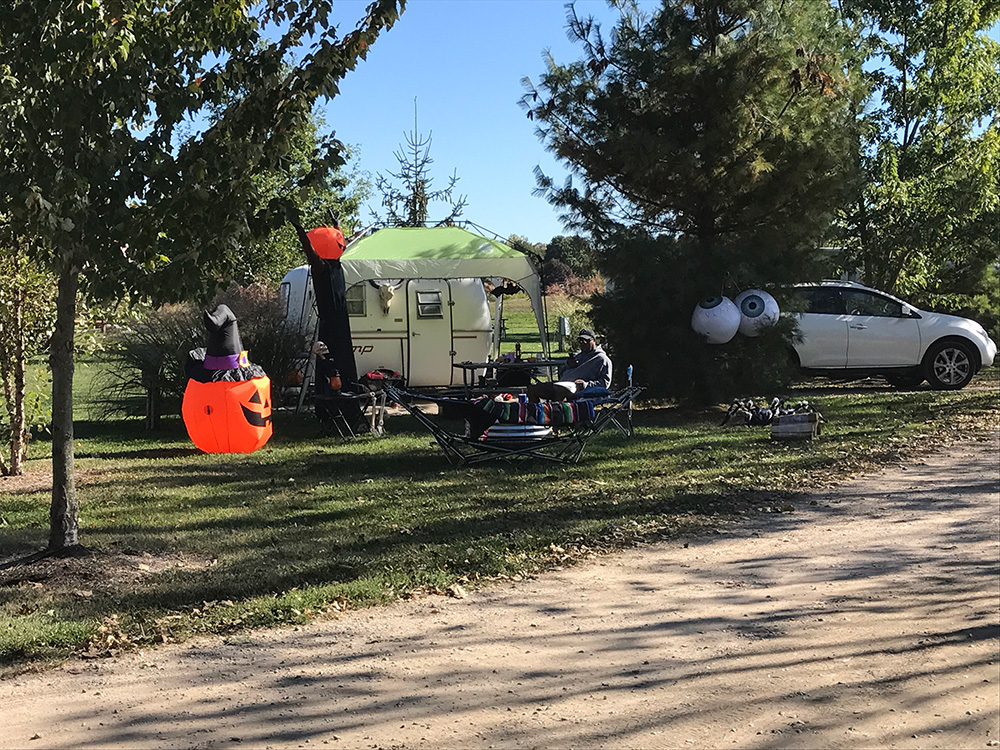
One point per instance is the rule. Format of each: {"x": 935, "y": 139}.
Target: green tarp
{"x": 427, "y": 243}
{"x": 441, "y": 253}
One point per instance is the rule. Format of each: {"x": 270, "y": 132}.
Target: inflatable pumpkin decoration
{"x": 227, "y": 401}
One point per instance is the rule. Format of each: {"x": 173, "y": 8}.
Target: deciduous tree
{"x": 576, "y": 252}
{"x": 103, "y": 160}
{"x": 928, "y": 203}
{"x": 339, "y": 194}
{"x": 27, "y": 311}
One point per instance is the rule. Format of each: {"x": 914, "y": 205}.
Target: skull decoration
{"x": 386, "y": 292}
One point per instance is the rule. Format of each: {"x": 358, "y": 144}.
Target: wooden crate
{"x": 796, "y": 427}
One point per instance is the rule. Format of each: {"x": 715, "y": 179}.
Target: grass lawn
{"x": 522, "y": 328}
{"x": 186, "y": 543}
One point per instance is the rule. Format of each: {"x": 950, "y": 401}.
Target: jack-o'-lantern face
{"x": 260, "y": 417}
{"x": 228, "y": 417}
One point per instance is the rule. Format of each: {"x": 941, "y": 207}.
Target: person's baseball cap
{"x": 587, "y": 334}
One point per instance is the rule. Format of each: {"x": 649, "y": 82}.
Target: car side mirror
{"x": 909, "y": 312}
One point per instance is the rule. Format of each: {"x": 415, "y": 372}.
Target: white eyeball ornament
{"x": 717, "y": 319}
{"x": 758, "y": 310}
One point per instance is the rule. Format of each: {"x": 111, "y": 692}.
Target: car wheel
{"x": 949, "y": 365}
{"x": 905, "y": 380}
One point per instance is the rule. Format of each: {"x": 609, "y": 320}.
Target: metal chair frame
{"x": 564, "y": 446}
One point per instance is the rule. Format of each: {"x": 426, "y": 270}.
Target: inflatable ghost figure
{"x": 758, "y": 310}
{"x": 717, "y": 319}
{"x": 227, "y": 401}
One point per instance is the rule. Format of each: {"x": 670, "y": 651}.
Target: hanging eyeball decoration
{"x": 717, "y": 319}
{"x": 758, "y": 310}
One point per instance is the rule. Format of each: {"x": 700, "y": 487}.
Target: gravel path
{"x": 869, "y": 617}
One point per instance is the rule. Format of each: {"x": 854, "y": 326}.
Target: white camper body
{"x": 416, "y": 300}
{"x": 417, "y": 327}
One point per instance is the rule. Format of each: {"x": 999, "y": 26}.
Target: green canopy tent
{"x": 449, "y": 252}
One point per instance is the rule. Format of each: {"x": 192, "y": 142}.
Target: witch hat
{"x": 225, "y": 350}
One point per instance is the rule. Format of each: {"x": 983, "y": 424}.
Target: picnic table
{"x": 494, "y": 373}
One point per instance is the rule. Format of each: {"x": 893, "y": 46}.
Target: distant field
{"x": 522, "y": 329}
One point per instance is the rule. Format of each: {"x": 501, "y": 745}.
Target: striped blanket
{"x": 553, "y": 413}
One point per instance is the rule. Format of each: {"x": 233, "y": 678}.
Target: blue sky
{"x": 463, "y": 61}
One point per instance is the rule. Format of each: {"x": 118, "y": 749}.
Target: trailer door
{"x": 429, "y": 316}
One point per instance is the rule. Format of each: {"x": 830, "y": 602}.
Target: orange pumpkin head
{"x": 228, "y": 417}
{"x": 328, "y": 242}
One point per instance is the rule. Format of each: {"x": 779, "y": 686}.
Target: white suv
{"x": 850, "y": 329}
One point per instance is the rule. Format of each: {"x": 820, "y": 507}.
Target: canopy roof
{"x": 433, "y": 252}
{"x": 440, "y": 253}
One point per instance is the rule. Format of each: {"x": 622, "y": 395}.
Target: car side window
{"x": 823, "y": 301}
{"x": 859, "y": 302}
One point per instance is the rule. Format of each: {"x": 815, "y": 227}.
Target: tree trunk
{"x": 7, "y": 378}
{"x": 153, "y": 407}
{"x": 64, "y": 522}
{"x": 18, "y": 426}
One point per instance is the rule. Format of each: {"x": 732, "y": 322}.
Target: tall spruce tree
{"x": 407, "y": 194}
{"x": 711, "y": 139}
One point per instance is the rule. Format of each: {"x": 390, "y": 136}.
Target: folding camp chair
{"x": 622, "y": 418}
{"x": 351, "y": 414}
{"x": 558, "y": 431}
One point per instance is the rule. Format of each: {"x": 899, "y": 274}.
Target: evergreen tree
{"x": 407, "y": 203}
{"x": 712, "y": 141}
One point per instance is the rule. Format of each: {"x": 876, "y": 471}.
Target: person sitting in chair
{"x": 590, "y": 368}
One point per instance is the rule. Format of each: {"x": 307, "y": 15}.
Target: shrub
{"x": 146, "y": 376}
{"x": 646, "y": 316}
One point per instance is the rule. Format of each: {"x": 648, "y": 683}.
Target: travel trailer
{"x": 417, "y": 300}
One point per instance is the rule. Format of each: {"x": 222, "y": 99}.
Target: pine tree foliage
{"x": 407, "y": 194}
{"x": 711, "y": 142}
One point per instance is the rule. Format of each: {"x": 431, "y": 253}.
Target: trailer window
{"x": 429, "y": 305}
{"x": 356, "y": 301}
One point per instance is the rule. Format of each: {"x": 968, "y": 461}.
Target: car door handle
{"x": 859, "y": 327}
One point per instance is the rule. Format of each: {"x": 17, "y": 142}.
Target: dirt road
{"x": 868, "y": 617}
